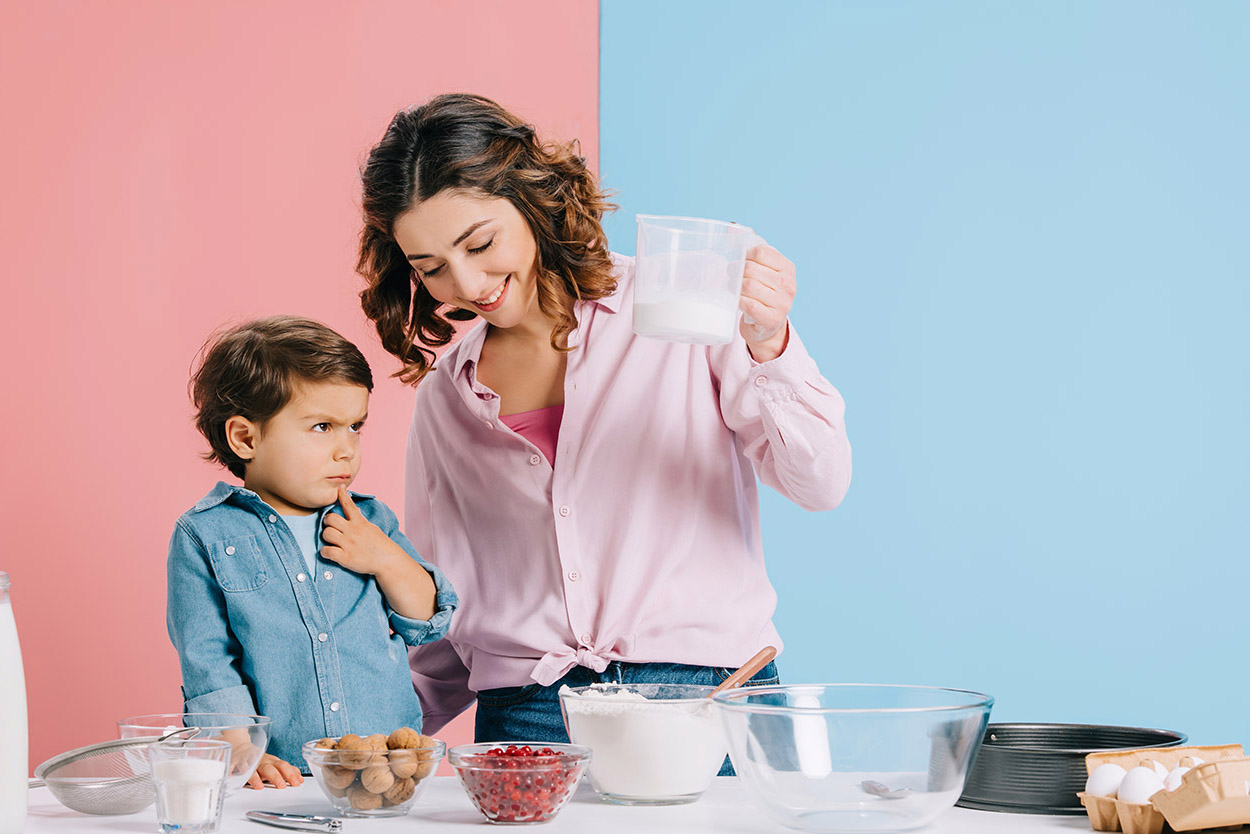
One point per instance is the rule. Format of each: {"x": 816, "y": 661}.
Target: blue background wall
{"x": 1021, "y": 236}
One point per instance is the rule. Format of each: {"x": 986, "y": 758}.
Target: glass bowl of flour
{"x": 653, "y": 743}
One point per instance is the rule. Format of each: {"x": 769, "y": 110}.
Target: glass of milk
{"x": 190, "y": 779}
{"x": 688, "y": 278}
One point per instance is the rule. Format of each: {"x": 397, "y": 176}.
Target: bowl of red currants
{"x": 521, "y": 782}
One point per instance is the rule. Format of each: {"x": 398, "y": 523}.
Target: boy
{"x": 290, "y": 596}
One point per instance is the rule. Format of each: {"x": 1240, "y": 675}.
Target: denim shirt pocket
{"x": 237, "y": 564}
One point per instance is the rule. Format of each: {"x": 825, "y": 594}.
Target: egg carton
{"x": 1211, "y": 795}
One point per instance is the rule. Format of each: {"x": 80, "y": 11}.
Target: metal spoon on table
{"x": 883, "y": 791}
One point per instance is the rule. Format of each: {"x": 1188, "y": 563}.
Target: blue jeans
{"x": 532, "y": 712}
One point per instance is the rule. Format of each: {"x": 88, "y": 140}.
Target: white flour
{"x": 645, "y": 749}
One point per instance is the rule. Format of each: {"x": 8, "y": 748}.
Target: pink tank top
{"x": 540, "y": 427}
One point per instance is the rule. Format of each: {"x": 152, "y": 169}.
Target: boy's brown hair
{"x": 252, "y": 371}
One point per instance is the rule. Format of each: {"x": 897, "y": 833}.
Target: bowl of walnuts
{"x": 377, "y": 775}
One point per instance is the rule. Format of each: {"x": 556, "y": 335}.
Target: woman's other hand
{"x": 768, "y": 288}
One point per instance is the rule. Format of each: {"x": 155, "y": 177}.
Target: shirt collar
{"x": 224, "y": 491}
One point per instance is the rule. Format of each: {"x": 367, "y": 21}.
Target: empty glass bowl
{"x": 853, "y": 757}
{"x": 248, "y": 735}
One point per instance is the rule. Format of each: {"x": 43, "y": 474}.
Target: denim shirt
{"x": 256, "y": 632}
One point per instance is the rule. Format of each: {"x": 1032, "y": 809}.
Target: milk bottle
{"x": 13, "y": 765}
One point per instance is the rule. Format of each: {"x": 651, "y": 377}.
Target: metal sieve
{"x": 106, "y": 779}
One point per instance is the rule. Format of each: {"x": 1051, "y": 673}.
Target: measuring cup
{"x": 688, "y": 278}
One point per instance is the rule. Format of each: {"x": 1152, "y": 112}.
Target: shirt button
{"x": 323, "y": 637}
{"x": 535, "y": 460}
{"x": 334, "y": 707}
{"x": 299, "y": 577}
{"x": 272, "y": 518}
{"x": 574, "y": 576}
{"x": 328, "y": 575}
{"x": 564, "y": 511}
{"x": 761, "y": 381}
{"x": 587, "y": 640}
{"x": 489, "y": 425}
{"x": 230, "y": 550}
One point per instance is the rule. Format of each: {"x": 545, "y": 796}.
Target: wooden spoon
{"x": 747, "y": 670}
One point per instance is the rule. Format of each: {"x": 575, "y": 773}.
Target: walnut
{"x": 405, "y": 738}
{"x": 377, "y": 741}
{"x": 337, "y": 778}
{"x": 363, "y": 800}
{"x": 325, "y": 744}
{"x": 377, "y": 778}
{"x": 354, "y": 752}
{"x": 340, "y": 792}
{"x": 426, "y": 758}
{"x": 403, "y": 763}
{"x": 399, "y": 792}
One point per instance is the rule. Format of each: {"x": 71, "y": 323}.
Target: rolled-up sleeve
{"x": 419, "y": 632}
{"x": 790, "y": 420}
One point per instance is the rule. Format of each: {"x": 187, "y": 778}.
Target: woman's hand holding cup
{"x": 768, "y": 288}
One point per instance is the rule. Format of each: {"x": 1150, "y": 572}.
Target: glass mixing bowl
{"x": 853, "y": 757}
{"x": 654, "y": 743}
{"x": 520, "y": 782}
{"x": 371, "y": 780}
{"x": 248, "y": 734}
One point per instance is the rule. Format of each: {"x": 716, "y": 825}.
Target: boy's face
{"x": 310, "y": 448}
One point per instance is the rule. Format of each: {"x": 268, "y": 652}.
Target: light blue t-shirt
{"x": 304, "y": 529}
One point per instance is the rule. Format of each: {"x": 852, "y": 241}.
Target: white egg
{"x": 1173, "y": 780}
{"x": 1139, "y": 785}
{"x": 1105, "y": 780}
{"x": 1158, "y": 768}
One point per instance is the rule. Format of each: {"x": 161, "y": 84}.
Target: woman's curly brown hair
{"x": 469, "y": 142}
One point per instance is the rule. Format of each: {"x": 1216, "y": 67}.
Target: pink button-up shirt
{"x": 642, "y": 543}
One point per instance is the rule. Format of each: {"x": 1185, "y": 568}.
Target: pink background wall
{"x": 167, "y": 168}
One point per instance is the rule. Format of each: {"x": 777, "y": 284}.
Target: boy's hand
{"x": 273, "y": 771}
{"x": 355, "y": 542}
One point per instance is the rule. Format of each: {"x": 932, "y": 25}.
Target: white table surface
{"x": 444, "y": 807}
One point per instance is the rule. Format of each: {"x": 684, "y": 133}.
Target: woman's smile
{"x": 495, "y": 299}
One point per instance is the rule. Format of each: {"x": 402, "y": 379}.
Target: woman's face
{"x": 473, "y": 252}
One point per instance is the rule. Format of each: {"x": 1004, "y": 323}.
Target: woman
{"x": 590, "y": 493}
